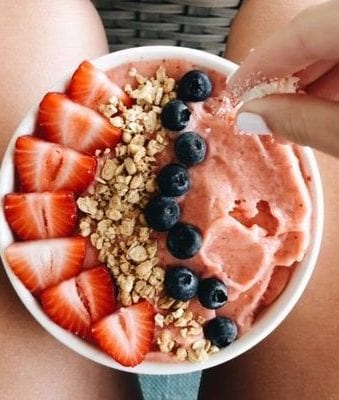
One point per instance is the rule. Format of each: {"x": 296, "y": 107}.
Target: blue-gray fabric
{"x": 170, "y": 387}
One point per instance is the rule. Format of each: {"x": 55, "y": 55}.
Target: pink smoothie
{"x": 249, "y": 198}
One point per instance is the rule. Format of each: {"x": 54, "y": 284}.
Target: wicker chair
{"x": 201, "y": 24}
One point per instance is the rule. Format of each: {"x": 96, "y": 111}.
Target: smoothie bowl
{"x": 141, "y": 230}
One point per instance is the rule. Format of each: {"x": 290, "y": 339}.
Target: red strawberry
{"x": 80, "y": 301}
{"x": 91, "y": 255}
{"x": 63, "y": 305}
{"x": 128, "y": 334}
{"x": 98, "y": 292}
{"x": 91, "y": 87}
{"x": 44, "y": 166}
{"x": 43, "y": 263}
{"x": 41, "y": 215}
{"x": 73, "y": 125}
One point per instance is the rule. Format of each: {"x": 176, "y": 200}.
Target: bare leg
{"x": 40, "y": 42}
{"x": 300, "y": 359}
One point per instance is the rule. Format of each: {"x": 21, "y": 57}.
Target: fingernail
{"x": 252, "y": 123}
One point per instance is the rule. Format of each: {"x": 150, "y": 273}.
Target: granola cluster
{"x": 113, "y": 209}
{"x": 113, "y": 216}
{"x": 177, "y": 323}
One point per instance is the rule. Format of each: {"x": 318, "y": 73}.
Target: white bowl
{"x": 267, "y": 321}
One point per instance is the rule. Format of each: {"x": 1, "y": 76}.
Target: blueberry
{"x": 190, "y": 148}
{"x": 221, "y": 331}
{"x": 212, "y": 293}
{"x": 174, "y": 180}
{"x": 181, "y": 283}
{"x": 162, "y": 213}
{"x": 175, "y": 115}
{"x": 194, "y": 86}
{"x": 183, "y": 241}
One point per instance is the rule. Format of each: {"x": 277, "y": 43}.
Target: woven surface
{"x": 200, "y": 24}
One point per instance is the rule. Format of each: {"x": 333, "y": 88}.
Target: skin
{"x": 32, "y": 362}
{"x": 300, "y": 359}
{"x": 308, "y": 48}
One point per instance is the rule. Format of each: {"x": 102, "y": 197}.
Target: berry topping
{"x": 97, "y": 292}
{"x": 64, "y": 306}
{"x": 91, "y": 87}
{"x": 221, "y": 331}
{"x": 174, "y": 180}
{"x": 73, "y": 125}
{"x": 41, "y": 215}
{"x": 212, "y": 293}
{"x": 190, "y": 148}
{"x": 162, "y": 213}
{"x": 175, "y": 115}
{"x": 194, "y": 86}
{"x": 128, "y": 334}
{"x": 44, "y": 166}
{"x": 184, "y": 241}
{"x": 181, "y": 283}
{"x": 76, "y": 303}
{"x": 43, "y": 263}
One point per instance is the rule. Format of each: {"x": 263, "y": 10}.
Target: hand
{"x": 308, "y": 48}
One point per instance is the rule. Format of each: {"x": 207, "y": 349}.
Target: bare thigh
{"x": 300, "y": 359}
{"x": 39, "y": 42}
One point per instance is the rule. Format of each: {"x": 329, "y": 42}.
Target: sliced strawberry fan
{"x": 62, "y": 121}
{"x": 55, "y": 266}
{"x": 41, "y": 215}
{"x": 91, "y": 87}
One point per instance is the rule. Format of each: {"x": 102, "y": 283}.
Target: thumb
{"x": 300, "y": 118}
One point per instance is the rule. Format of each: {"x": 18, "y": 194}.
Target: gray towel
{"x": 170, "y": 387}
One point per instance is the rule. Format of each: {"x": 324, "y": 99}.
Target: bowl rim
{"x": 275, "y": 313}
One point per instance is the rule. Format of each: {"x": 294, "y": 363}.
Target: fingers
{"x": 302, "y": 119}
{"x": 256, "y": 20}
{"x": 314, "y": 71}
{"x": 310, "y": 37}
{"x": 327, "y": 86}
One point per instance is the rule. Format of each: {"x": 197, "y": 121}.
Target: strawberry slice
{"x": 91, "y": 87}
{"x": 63, "y": 305}
{"x": 41, "y": 215}
{"x": 80, "y": 301}
{"x": 44, "y": 166}
{"x": 128, "y": 334}
{"x": 91, "y": 255}
{"x": 42, "y": 263}
{"x": 98, "y": 292}
{"x": 73, "y": 125}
